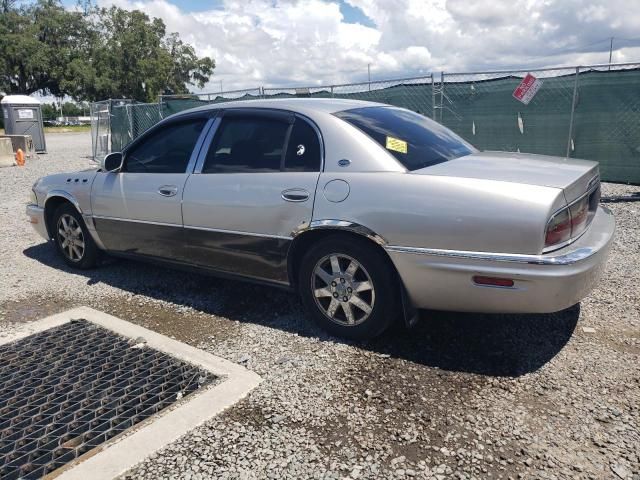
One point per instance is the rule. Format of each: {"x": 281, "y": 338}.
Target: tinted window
{"x": 167, "y": 150}
{"x": 416, "y": 141}
{"x": 247, "y": 144}
{"x": 303, "y": 152}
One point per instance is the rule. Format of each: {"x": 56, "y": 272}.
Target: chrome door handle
{"x": 295, "y": 195}
{"x": 168, "y": 190}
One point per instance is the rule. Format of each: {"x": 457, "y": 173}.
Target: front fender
{"x": 62, "y": 194}
{"x": 74, "y": 187}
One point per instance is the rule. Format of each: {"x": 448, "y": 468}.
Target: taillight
{"x": 579, "y": 215}
{"x": 558, "y": 228}
{"x": 570, "y": 222}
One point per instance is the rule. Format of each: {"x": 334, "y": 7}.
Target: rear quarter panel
{"x": 443, "y": 212}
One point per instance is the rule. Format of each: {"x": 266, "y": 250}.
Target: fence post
{"x": 110, "y": 139}
{"x": 130, "y": 121}
{"x": 573, "y": 108}
{"x": 441, "y": 94}
{"x": 433, "y": 99}
{"x": 94, "y": 132}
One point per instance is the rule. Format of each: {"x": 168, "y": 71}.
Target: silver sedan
{"x": 369, "y": 211}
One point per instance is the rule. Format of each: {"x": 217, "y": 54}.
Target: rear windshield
{"x": 415, "y": 140}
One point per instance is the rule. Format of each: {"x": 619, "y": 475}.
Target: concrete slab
{"x": 7, "y": 158}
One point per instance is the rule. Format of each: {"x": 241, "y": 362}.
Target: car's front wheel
{"x": 348, "y": 287}
{"x": 72, "y": 238}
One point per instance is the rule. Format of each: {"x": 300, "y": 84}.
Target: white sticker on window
{"x": 300, "y": 150}
{"x": 24, "y": 114}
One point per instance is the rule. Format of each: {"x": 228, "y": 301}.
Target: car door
{"x": 137, "y": 210}
{"x": 252, "y": 187}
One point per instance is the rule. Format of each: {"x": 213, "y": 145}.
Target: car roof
{"x": 299, "y": 105}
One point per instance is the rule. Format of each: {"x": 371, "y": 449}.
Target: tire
{"x": 349, "y": 309}
{"x": 82, "y": 253}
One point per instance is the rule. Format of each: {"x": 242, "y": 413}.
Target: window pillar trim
{"x": 285, "y": 147}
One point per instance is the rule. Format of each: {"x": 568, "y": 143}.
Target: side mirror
{"x": 112, "y": 162}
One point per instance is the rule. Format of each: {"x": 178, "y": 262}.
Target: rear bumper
{"x": 36, "y": 218}
{"x": 442, "y": 279}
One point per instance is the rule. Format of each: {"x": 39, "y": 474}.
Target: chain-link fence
{"x": 581, "y": 112}
{"x": 170, "y": 104}
{"x": 606, "y": 123}
{"x": 415, "y": 93}
{"x": 590, "y": 112}
{"x": 128, "y": 122}
{"x": 101, "y": 114}
{"x": 481, "y": 108}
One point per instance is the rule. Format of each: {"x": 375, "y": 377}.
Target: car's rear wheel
{"x": 72, "y": 238}
{"x": 348, "y": 287}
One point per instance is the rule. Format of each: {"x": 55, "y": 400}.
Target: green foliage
{"x": 93, "y": 53}
{"x": 37, "y": 45}
{"x": 51, "y": 111}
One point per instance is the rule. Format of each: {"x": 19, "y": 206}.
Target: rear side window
{"x": 167, "y": 150}
{"x": 247, "y": 144}
{"x": 413, "y": 139}
{"x": 303, "y": 152}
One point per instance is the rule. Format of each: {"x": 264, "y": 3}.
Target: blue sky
{"x": 318, "y": 42}
{"x": 350, "y": 13}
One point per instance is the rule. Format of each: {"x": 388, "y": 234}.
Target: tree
{"x": 137, "y": 59}
{"x": 94, "y": 53}
{"x": 38, "y": 44}
{"x": 187, "y": 68}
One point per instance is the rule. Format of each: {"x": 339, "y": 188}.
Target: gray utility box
{"x": 23, "y": 116}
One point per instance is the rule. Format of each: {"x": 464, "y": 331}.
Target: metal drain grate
{"x": 69, "y": 389}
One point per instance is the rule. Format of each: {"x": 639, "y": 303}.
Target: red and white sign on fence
{"x": 527, "y": 89}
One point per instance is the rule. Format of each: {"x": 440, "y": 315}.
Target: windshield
{"x": 415, "y": 140}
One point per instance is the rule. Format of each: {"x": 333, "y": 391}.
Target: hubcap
{"x": 70, "y": 238}
{"x": 343, "y": 289}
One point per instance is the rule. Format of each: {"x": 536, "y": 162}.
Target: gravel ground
{"x": 460, "y": 396}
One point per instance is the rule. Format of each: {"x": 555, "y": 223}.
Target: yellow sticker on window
{"x": 396, "y": 145}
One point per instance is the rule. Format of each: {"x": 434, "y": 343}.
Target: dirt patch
{"x": 33, "y": 308}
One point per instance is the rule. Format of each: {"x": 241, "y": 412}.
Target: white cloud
{"x": 289, "y": 42}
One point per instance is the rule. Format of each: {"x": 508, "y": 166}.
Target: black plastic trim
{"x": 237, "y": 254}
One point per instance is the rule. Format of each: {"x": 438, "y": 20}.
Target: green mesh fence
{"x": 481, "y": 108}
{"x": 606, "y": 125}
{"x": 412, "y": 93}
{"x": 606, "y": 118}
{"x": 171, "y": 104}
{"x": 587, "y": 112}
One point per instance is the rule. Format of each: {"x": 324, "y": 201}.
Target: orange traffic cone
{"x": 20, "y": 158}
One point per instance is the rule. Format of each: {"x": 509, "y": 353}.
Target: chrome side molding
{"x": 345, "y": 225}
{"x": 564, "y": 259}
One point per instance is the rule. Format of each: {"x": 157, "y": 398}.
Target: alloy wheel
{"x": 343, "y": 289}
{"x": 70, "y": 237}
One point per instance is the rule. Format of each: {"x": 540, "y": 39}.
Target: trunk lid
{"x": 574, "y": 177}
